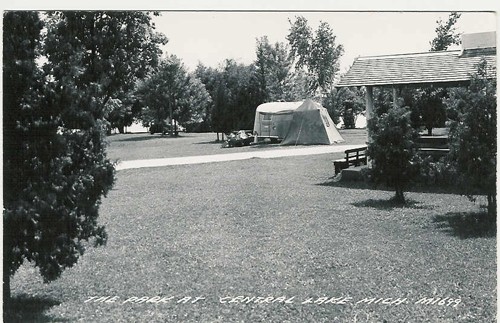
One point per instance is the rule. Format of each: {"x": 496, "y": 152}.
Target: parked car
{"x": 156, "y": 128}
{"x": 239, "y": 138}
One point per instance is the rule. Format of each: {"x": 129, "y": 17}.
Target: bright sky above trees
{"x": 211, "y": 37}
{"x": 208, "y": 31}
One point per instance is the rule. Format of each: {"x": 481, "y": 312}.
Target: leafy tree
{"x": 473, "y": 136}
{"x": 21, "y": 37}
{"x": 383, "y": 100}
{"x": 431, "y": 112}
{"x": 446, "y": 33}
{"x": 235, "y": 93}
{"x": 195, "y": 104}
{"x": 120, "y": 115}
{"x": 273, "y": 70}
{"x": 392, "y": 150}
{"x": 123, "y": 112}
{"x": 298, "y": 86}
{"x": 209, "y": 78}
{"x": 171, "y": 92}
{"x": 316, "y": 52}
{"x": 345, "y": 103}
{"x": 239, "y": 96}
{"x": 117, "y": 48}
{"x": 55, "y": 165}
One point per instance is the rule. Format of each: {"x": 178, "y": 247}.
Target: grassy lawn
{"x": 146, "y": 146}
{"x": 269, "y": 228}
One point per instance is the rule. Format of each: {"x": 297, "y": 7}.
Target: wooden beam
{"x": 413, "y": 85}
{"x": 394, "y": 97}
{"x": 369, "y": 107}
{"x": 369, "y": 102}
{"x": 368, "y": 114}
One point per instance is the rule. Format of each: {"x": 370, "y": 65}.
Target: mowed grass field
{"x": 186, "y": 241}
{"x": 145, "y": 146}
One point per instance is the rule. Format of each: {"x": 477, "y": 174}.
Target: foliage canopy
{"x": 473, "y": 136}
{"x": 55, "y": 166}
{"x": 392, "y": 149}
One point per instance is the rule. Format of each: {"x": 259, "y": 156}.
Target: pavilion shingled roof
{"x": 420, "y": 68}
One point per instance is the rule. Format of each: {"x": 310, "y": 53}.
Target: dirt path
{"x": 157, "y": 162}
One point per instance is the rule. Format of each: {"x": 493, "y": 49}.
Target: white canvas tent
{"x": 311, "y": 124}
{"x": 295, "y": 123}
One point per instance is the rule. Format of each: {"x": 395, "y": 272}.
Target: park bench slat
{"x": 353, "y": 157}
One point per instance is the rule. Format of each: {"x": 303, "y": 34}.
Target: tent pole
{"x": 300, "y": 130}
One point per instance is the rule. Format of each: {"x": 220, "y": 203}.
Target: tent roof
{"x": 309, "y": 104}
{"x": 420, "y": 68}
{"x": 276, "y": 107}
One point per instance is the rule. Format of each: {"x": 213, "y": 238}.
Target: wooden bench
{"x": 433, "y": 146}
{"x": 353, "y": 157}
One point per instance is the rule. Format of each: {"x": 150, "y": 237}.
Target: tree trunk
{"x": 7, "y": 261}
{"x": 6, "y": 283}
{"x": 400, "y": 196}
{"x": 217, "y": 137}
{"x": 429, "y": 131}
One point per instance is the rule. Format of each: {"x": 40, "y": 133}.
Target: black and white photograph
{"x": 245, "y": 164}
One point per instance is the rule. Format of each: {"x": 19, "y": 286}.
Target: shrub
{"x": 392, "y": 150}
{"x": 473, "y": 136}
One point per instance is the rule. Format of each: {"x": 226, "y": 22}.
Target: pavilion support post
{"x": 369, "y": 115}
{"x": 369, "y": 105}
{"x": 394, "y": 96}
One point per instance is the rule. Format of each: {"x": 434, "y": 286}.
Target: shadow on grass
{"x": 220, "y": 142}
{"x": 466, "y": 225}
{"x": 265, "y": 145}
{"x": 415, "y": 188}
{"x": 390, "y": 204}
{"x": 146, "y": 137}
{"x": 25, "y": 308}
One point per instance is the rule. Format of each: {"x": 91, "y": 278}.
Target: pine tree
{"x": 392, "y": 149}
{"x": 55, "y": 165}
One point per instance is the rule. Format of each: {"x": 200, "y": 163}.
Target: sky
{"x": 210, "y": 31}
{"x": 210, "y": 37}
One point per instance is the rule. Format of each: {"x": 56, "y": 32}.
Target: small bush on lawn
{"x": 436, "y": 172}
{"x": 393, "y": 151}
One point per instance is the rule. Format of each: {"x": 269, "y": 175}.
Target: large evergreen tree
{"x": 55, "y": 166}
{"x": 21, "y": 37}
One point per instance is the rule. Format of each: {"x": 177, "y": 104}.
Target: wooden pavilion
{"x": 441, "y": 69}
